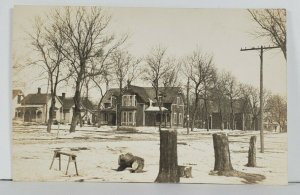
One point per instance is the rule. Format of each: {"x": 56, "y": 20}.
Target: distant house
{"x": 35, "y": 108}
{"x": 87, "y": 109}
{"x": 243, "y": 119}
{"x": 17, "y": 97}
{"x": 139, "y": 107}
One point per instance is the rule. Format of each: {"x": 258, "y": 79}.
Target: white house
{"x": 17, "y": 97}
{"x": 35, "y": 108}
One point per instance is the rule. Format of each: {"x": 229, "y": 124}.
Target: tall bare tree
{"x": 219, "y": 97}
{"x": 161, "y": 73}
{"x": 125, "y": 69}
{"x": 47, "y": 43}
{"x": 88, "y": 46}
{"x": 232, "y": 92}
{"x": 272, "y": 23}
{"x": 200, "y": 69}
{"x": 98, "y": 80}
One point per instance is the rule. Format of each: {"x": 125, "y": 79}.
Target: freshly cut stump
{"x": 184, "y": 171}
{"x": 252, "y": 152}
{"x": 222, "y": 154}
{"x": 168, "y": 164}
{"x": 129, "y": 160}
{"x": 223, "y": 164}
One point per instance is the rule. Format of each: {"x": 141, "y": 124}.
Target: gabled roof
{"x": 109, "y": 93}
{"x": 87, "y": 104}
{"x": 67, "y": 102}
{"x": 146, "y": 93}
{"x": 36, "y": 99}
{"x": 16, "y": 92}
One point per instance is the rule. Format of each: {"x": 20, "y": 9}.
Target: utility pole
{"x": 261, "y": 99}
{"x": 188, "y": 106}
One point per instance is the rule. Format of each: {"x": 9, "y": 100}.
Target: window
{"x": 106, "y": 105}
{"x": 128, "y": 118}
{"x": 159, "y": 98}
{"x": 113, "y": 101}
{"x": 180, "y": 118}
{"x": 39, "y": 114}
{"x": 175, "y": 118}
{"x": 19, "y": 99}
{"x": 128, "y": 100}
{"x": 105, "y": 117}
{"x": 178, "y": 100}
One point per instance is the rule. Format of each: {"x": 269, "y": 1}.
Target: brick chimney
{"x": 39, "y": 90}
{"x": 63, "y": 95}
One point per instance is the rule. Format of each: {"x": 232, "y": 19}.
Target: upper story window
{"x": 113, "y": 101}
{"x": 128, "y": 100}
{"x": 178, "y": 101}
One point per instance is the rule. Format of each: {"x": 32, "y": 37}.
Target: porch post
{"x": 165, "y": 120}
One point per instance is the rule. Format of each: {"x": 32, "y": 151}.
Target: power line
{"x": 261, "y": 49}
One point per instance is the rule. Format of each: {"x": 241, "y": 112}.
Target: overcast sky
{"x": 220, "y": 32}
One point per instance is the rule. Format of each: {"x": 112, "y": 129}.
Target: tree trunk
{"x": 206, "y": 115}
{"x": 76, "y": 114}
{"x": 99, "y": 116}
{"x": 232, "y": 116}
{"x": 252, "y": 152}
{"x": 222, "y": 153}
{"x": 221, "y": 120}
{"x": 51, "y": 110}
{"x": 194, "y": 114}
{"x": 168, "y": 165}
{"x": 129, "y": 160}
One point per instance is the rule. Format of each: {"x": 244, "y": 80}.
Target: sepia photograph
{"x": 164, "y": 95}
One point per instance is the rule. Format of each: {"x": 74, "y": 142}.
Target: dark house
{"x": 87, "y": 109}
{"x": 139, "y": 107}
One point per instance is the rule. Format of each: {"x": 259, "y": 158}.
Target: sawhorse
{"x": 72, "y": 158}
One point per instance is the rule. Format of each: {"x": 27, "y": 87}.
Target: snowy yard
{"x": 98, "y": 149}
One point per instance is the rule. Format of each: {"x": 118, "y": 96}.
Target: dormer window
{"x": 128, "y": 100}
{"x": 113, "y": 101}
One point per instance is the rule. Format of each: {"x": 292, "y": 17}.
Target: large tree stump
{"x": 184, "y": 171}
{"x": 222, "y": 154}
{"x": 168, "y": 165}
{"x": 129, "y": 160}
{"x": 252, "y": 152}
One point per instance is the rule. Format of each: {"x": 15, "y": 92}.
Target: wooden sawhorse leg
{"x": 72, "y": 159}
{"x": 56, "y": 155}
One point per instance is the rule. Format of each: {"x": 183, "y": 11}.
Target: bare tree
{"x": 232, "y": 91}
{"x": 272, "y": 23}
{"x": 276, "y": 108}
{"x": 125, "y": 69}
{"x": 219, "y": 97}
{"x": 161, "y": 72}
{"x": 98, "y": 81}
{"x": 88, "y": 46}
{"x": 200, "y": 69}
{"x": 47, "y": 42}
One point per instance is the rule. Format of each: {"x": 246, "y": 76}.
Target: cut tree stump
{"x": 252, "y": 152}
{"x": 185, "y": 171}
{"x": 222, "y": 154}
{"x": 223, "y": 164}
{"x": 168, "y": 164}
{"x": 129, "y": 160}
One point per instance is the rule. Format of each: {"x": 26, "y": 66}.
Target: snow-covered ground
{"x": 98, "y": 149}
